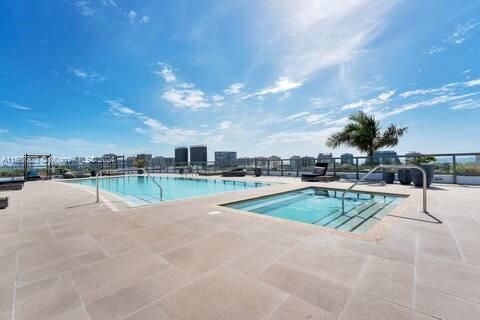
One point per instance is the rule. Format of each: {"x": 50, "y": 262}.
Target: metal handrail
{"x": 393, "y": 167}
{"x": 143, "y": 169}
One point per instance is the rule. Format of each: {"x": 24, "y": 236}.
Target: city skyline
{"x": 94, "y": 77}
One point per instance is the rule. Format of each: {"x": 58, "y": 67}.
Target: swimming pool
{"x": 323, "y": 207}
{"x": 141, "y": 190}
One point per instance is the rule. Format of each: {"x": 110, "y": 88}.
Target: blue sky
{"x": 259, "y": 77}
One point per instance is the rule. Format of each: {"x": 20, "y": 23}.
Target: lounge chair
{"x": 238, "y": 172}
{"x": 74, "y": 175}
{"x": 319, "y": 171}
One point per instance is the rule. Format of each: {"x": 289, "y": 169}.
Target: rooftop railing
{"x": 456, "y": 168}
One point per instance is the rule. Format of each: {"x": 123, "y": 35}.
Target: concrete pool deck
{"x": 62, "y": 256}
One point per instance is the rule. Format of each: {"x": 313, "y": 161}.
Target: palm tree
{"x": 365, "y": 134}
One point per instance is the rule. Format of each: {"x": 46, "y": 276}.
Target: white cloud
{"x": 472, "y": 83}
{"x": 321, "y": 102}
{"x": 439, "y": 100}
{"x": 468, "y": 104}
{"x": 303, "y": 37}
{"x": 282, "y": 85}
{"x": 64, "y": 146}
{"x": 459, "y": 36}
{"x": 160, "y": 133}
{"x": 234, "y": 88}
{"x": 317, "y": 137}
{"x": 14, "y": 105}
{"x": 109, "y": 3}
{"x": 417, "y": 92}
{"x": 131, "y": 16}
{"x": 87, "y": 75}
{"x": 118, "y": 109}
{"x": 370, "y": 104}
{"x": 40, "y": 124}
{"x": 3, "y": 130}
{"x": 218, "y": 100}
{"x": 462, "y": 31}
{"x": 84, "y": 7}
{"x": 435, "y": 49}
{"x": 193, "y": 99}
{"x": 154, "y": 124}
{"x": 224, "y": 124}
{"x": 166, "y": 72}
{"x": 145, "y": 19}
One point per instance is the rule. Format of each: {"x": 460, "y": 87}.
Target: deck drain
{"x": 215, "y": 212}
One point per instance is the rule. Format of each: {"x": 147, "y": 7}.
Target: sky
{"x": 88, "y": 77}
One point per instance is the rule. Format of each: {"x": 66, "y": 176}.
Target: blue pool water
{"x": 141, "y": 190}
{"x": 323, "y": 207}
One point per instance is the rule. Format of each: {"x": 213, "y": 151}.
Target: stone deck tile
{"x": 276, "y": 269}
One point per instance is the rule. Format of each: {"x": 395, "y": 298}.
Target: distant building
{"x": 477, "y": 159}
{"x": 198, "y": 154}
{"x": 308, "y": 161}
{"x": 325, "y": 157}
{"x": 385, "y": 157}
{"x": 347, "y": 158}
{"x": 162, "y": 162}
{"x": 131, "y": 162}
{"x": 275, "y": 162}
{"x": 295, "y": 161}
{"x": 146, "y": 157}
{"x": 245, "y": 161}
{"x": 181, "y": 155}
{"x": 225, "y": 158}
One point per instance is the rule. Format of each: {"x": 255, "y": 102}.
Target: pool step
{"x": 266, "y": 206}
{"x": 350, "y": 212}
{"x": 361, "y": 218}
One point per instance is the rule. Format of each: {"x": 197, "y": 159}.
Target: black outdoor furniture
{"x": 318, "y": 171}
{"x": 238, "y": 172}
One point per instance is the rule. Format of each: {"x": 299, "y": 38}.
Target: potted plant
{"x": 404, "y": 176}
{"x": 389, "y": 177}
{"x": 417, "y": 176}
{"x": 139, "y": 164}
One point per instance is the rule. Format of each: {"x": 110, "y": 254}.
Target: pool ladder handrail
{"x": 144, "y": 171}
{"x": 390, "y": 167}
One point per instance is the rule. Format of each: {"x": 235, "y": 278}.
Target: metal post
{"x": 334, "y": 168}
{"x": 281, "y": 167}
{"x": 356, "y": 165}
{"x": 298, "y": 166}
{"x": 454, "y": 163}
{"x": 268, "y": 167}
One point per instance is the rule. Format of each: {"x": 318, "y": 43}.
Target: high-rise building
{"x": 225, "y": 158}
{"x": 131, "y": 161}
{"x": 163, "y": 162}
{"x": 325, "y": 157}
{"x": 181, "y": 155}
{"x": 146, "y": 157}
{"x": 308, "y": 161}
{"x": 275, "y": 162}
{"x": 385, "y": 157}
{"x": 346, "y": 158}
{"x": 198, "y": 154}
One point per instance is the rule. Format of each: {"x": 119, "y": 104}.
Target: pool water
{"x": 141, "y": 190}
{"x": 324, "y": 207}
